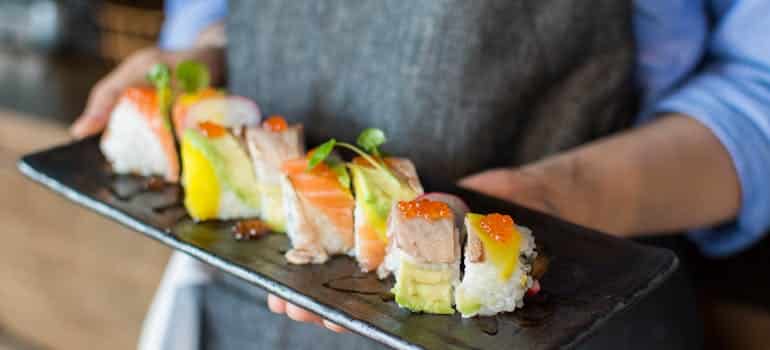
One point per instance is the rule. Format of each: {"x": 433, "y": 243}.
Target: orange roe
{"x": 425, "y": 208}
{"x": 144, "y": 98}
{"x": 275, "y": 123}
{"x": 498, "y": 226}
{"x": 211, "y": 129}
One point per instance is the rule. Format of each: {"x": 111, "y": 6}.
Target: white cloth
{"x": 160, "y": 330}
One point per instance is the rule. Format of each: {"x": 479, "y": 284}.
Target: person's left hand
{"x": 524, "y": 186}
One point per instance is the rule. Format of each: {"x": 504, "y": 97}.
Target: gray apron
{"x": 459, "y": 86}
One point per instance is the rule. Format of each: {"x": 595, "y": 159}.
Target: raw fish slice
{"x": 319, "y": 212}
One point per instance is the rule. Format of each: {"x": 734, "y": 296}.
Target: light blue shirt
{"x": 708, "y": 59}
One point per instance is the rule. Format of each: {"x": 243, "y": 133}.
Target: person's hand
{"x": 132, "y": 72}
{"x": 522, "y": 186}
{"x": 280, "y": 306}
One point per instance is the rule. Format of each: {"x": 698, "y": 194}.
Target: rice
{"x": 233, "y": 207}
{"x": 130, "y": 145}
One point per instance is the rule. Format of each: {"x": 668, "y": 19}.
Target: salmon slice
{"x": 370, "y": 249}
{"x": 321, "y": 188}
{"x": 320, "y": 194}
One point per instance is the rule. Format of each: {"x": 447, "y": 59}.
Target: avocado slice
{"x": 423, "y": 290}
{"x": 375, "y": 194}
{"x": 273, "y": 209}
{"x": 467, "y": 306}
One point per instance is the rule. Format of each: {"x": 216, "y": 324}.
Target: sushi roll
{"x": 319, "y": 210}
{"x": 498, "y": 264}
{"x": 377, "y": 190}
{"x": 138, "y": 138}
{"x": 424, "y": 255}
{"x": 217, "y": 176}
{"x": 270, "y": 145}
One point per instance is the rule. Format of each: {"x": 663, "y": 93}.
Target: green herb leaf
{"x": 370, "y": 139}
{"x": 320, "y": 153}
{"x": 192, "y": 76}
{"x": 159, "y": 76}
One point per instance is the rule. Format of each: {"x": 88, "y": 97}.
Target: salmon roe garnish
{"x": 211, "y": 129}
{"x": 498, "y": 226}
{"x": 275, "y": 123}
{"x": 144, "y": 98}
{"x": 425, "y": 208}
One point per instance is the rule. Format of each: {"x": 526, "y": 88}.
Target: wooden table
{"x": 69, "y": 279}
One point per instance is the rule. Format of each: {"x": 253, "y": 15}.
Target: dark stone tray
{"x": 591, "y": 277}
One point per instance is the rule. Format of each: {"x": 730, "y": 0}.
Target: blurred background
{"x": 70, "y": 279}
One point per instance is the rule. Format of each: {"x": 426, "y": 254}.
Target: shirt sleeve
{"x": 185, "y": 19}
{"x": 730, "y": 95}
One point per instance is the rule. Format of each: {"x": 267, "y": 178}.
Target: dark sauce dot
{"x": 154, "y": 184}
{"x": 387, "y": 297}
{"x": 249, "y": 229}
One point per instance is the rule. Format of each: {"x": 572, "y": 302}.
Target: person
{"x": 531, "y": 100}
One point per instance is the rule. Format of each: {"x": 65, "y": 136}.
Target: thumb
{"x": 88, "y": 124}
{"x": 498, "y": 183}
{"x": 97, "y": 113}
{"x": 523, "y": 186}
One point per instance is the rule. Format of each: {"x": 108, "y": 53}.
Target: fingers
{"x": 132, "y": 72}
{"x": 496, "y": 182}
{"x": 106, "y": 92}
{"x": 300, "y": 315}
{"x": 103, "y": 97}
{"x": 524, "y": 186}
{"x": 275, "y": 304}
{"x": 280, "y": 306}
{"x": 334, "y": 327}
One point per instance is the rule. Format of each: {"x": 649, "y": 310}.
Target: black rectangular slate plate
{"x": 591, "y": 275}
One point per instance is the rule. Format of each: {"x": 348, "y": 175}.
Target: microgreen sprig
{"x": 369, "y": 140}
{"x": 192, "y": 76}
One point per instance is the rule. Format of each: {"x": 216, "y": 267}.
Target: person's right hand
{"x": 132, "y": 72}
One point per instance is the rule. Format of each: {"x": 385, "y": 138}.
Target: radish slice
{"x": 230, "y": 112}
{"x": 458, "y": 206}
